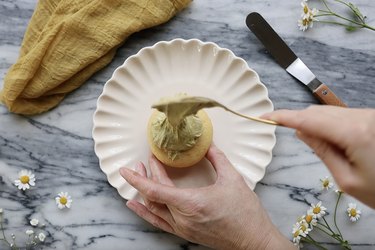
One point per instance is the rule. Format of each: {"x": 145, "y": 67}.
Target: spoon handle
{"x": 257, "y": 119}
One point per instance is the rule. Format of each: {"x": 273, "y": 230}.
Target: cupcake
{"x": 179, "y": 132}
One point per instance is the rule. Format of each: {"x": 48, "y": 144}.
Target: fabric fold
{"x": 67, "y": 41}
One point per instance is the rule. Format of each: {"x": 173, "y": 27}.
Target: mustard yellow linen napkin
{"x": 69, "y": 40}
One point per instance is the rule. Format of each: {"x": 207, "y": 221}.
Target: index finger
{"x": 325, "y": 122}
{"x": 153, "y": 191}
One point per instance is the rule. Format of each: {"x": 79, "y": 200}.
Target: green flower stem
{"x": 331, "y": 233}
{"x": 361, "y": 24}
{"x": 344, "y": 3}
{"x": 325, "y": 221}
{"x": 352, "y": 9}
{"x": 2, "y": 230}
{"x": 324, "y": 226}
{"x": 310, "y": 240}
{"x": 326, "y": 5}
{"x": 324, "y": 231}
{"x": 334, "y": 216}
{"x": 332, "y": 22}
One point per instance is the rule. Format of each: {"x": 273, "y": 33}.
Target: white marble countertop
{"x": 58, "y": 145}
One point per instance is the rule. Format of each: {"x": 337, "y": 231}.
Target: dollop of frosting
{"x": 177, "y": 127}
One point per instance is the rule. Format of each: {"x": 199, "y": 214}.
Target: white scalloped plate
{"x": 196, "y": 68}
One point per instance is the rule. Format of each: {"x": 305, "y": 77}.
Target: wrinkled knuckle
{"x": 151, "y": 207}
{"x": 151, "y": 193}
{"x": 199, "y": 208}
{"x": 197, "y": 205}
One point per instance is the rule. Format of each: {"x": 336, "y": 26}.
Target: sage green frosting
{"x": 176, "y": 139}
{"x": 177, "y": 127}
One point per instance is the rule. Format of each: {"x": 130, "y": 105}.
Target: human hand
{"x": 225, "y": 215}
{"x": 344, "y": 139}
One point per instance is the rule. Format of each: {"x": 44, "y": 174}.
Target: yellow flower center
{"x": 316, "y": 210}
{"x": 63, "y": 200}
{"x": 306, "y": 9}
{"x": 24, "y": 179}
{"x": 303, "y": 227}
{"x": 296, "y": 233}
{"x": 305, "y": 22}
{"x": 308, "y": 218}
{"x": 325, "y": 183}
{"x": 353, "y": 212}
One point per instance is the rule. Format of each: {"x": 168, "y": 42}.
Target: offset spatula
{"x": 285, "y": 57}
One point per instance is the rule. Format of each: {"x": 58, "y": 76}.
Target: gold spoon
{"x": 188, "y": 105}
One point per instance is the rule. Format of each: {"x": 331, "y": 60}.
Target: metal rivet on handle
{"x": 325, "y": 92}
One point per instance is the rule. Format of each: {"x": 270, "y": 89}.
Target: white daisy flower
{"x": 29, "y": 232}
{"x": 326, "y": 183}
{"x": 307, "y": 16}
{"x": 41, "y": 237}
{"x": 304, "y": 227}
{"x": 304, "y": 24}
{"x": 353, "y": 212}
{"x": 297, "y": 233}
{"x": 34, "y": 222}
{"x": 25, "y": 179}
{"x": 305, "y": 10}
{"x": 63, "y": 200}
{"x": 309, "y": 218}
{"x": 317, "y": 211}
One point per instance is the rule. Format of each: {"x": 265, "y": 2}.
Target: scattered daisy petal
{"x": 29, "y": 232}
{"x": 317, "y": 211}
{"x": 41, "y": 237}
{"x": 1, "y": 210}
{"x": 63, "y": 200}
{"x": 326, "y": 183}
{"x": 34, "y": 222}
{"x": 25, "y": 179}
{"x": 353, "y": 212}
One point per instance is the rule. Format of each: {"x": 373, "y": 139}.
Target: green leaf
{"x": 351, "y": 28}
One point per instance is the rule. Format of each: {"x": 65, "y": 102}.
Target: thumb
{"x": 158, "y": 171}
{"x": 220, "y": 162}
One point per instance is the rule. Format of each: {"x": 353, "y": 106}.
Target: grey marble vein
{"x": 58, "y": 147}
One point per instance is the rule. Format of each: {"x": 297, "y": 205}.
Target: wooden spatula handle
{"x": 326, "y": 96}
